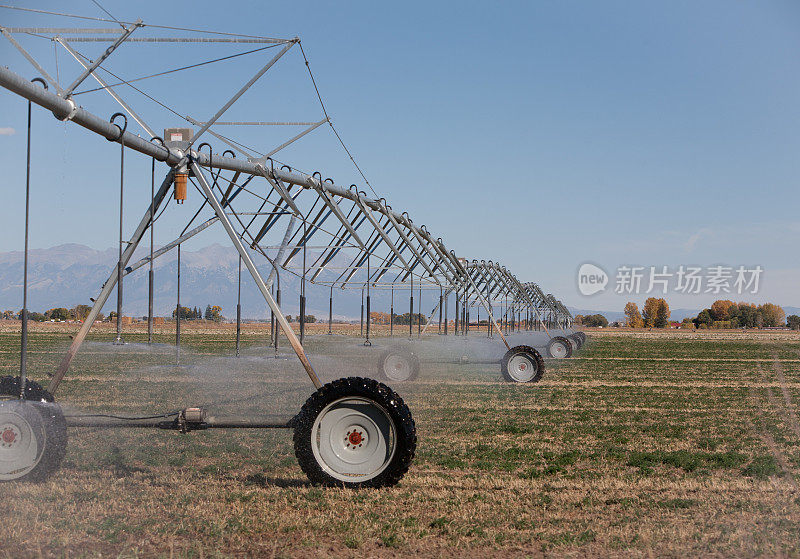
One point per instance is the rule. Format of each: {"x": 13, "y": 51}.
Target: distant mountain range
{"x": 69, "y": 274}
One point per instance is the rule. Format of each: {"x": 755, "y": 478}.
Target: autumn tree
{"x": 377, "y": 317}
{"x": 80, "y": 312}
{"x": 748, "y": 315}
{"x": 703, "y": 319}
{"x": 185, "y": 312}
{"x": 418, "y": 318}
{"x": 213, "y": 313}
{"x": 595, "y": 320}
{"x": 35, "y": 316}
{"x": 59, "y": 313}
{"x": 793, "y": 321}
{"x": 734, "y": 315}
{"x": 772, "y": 314}
{"x": 634, "y": 317}
{"x": 655, "y": 313}
{"x": 720, "y": 309}
{"x": 662, "y": 314}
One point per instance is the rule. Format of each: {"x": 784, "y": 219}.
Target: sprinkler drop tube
{"x": 119, "y": 340}
{"x": 178, "y": 314}
{"x": 446, "y": 299}
{"x": 239, "y": 309}
{"x": 419, "y": 314}
{"x": 330, "y": 313}
{"x": 23, "y": 354}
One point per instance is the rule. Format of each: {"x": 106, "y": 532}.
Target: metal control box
{"x": 178, "y": 138}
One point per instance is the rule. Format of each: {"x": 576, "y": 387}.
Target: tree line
{"x": 723, "y": 313}
{"x": 594, "y": 320}
{"x": 727, "y": 314}
{"x": 212, "y": 313}
{"x": 654, "y": 314}
{"x": 80, "y": 312}
{"x": 384, "y": 318}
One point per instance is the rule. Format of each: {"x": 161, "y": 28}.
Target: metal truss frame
{"x": 364, "y": 243}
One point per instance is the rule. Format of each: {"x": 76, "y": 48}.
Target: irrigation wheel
{"x": 559, "y": 347}
{"x": 578, "y": 341}
{"x": 355, "y": 432}
{"x": 574, "y": 344}
{"x": 398, "y": 364}
{"x": 33, "y": 432}
{"x": 582, "y": 336}
{"x": 522, "y": 364}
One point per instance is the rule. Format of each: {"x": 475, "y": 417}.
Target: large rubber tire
{"x": 398, "y": 364}
{"x": 574, "y": 344}
{"x": 578, "y": 341}
{"x": 522, "y": 364}
{"x": 559, "y": 347}
{"x": 582, "y": 336}
{"x": 37, "y": 424}
{"x": 342, "y": 416}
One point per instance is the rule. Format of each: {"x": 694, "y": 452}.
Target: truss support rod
{"x": 485, "y": 304}
{"x": 408, "y": 242}
{"x": 367, "y": 212}
{"x": 334, "y": 207}
{"x": 66, "y": 110}
{"x": 108, "y": 88}
{"x": 279, "y": 260}
{"x": 279, "y": 188}
{"x": 432, "y": 254}
{"x": 239, "y": 93}
{"x": 109, "y": 285}
{"x": 168, "y": 247}
{"x": 233, "y": 145}
{"x": 539, "y": 317}
{"x": 293, "y": 140}
{"x": 31, "y": 59}
{"x": 524, "y": 292}
{"x": 248, "y": 262}
{"x": 88, "y": 70}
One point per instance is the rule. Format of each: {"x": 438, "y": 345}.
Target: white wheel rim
{"x": 397, "y": 367}
{"x": 21, "y": 443}
{"x": 558, "y": 349}
{"x": 521, "y": 368}
{"x": 353, "y": 439}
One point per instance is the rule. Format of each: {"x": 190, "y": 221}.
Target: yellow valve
{"x": 180, "y": 187}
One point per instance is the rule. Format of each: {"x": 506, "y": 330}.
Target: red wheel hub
{"x": 522, "y": 366}
{"x": 355, "y": 438}
{"x": 9, "y": 436}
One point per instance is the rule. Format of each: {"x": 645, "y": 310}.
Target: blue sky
{"x": 539, "y": 134}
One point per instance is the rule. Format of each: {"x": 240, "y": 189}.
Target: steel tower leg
{"x": 248, "y": 262}
{"x": 108, "y": 287}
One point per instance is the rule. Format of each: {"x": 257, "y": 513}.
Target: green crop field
{"x": 642, "y": 444}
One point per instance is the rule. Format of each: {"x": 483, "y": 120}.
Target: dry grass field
{"x": 645, "y": 444}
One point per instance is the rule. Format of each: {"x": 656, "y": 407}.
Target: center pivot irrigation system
{"x": 352, "y": 431}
